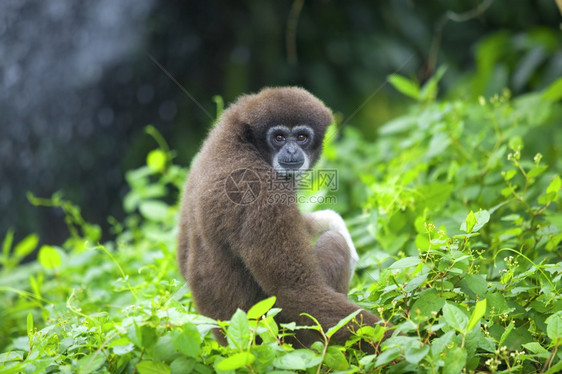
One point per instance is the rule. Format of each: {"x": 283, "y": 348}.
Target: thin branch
{"x": 376, "y": 91}
{"x": 455, "y": 17}
{"x": 467, "y": 16}
{"x": 185, "y": 91}
{"x": 291, "y": 35}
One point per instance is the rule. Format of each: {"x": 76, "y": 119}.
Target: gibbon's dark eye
{"x": 279, "y": 138}
{"x": 302, "y": 138}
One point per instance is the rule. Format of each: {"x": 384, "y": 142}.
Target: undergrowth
{"x": 455, "y": 210}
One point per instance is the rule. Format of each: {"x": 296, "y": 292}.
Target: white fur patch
{"x": 284, "y": 172}
{"x": 329, "y": 220}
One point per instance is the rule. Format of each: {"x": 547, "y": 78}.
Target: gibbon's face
{"x": 286, "y": 125}
{"x": 290, "y": 148}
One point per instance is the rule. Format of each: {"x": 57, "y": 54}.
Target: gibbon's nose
{"x": 291, "y": 149}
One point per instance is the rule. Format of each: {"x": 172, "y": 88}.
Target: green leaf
{"x": 405, "y": 262}
{"x": 372, "y": 334}
{"x": 30, "y": 328}
{"x": 536, "y": 348}
{"x": 299, "y": 359}
{"x": 341, "y": 323}
{"x": 217, "y": 99}
{"x": 144, "y": 337}
{"x": 486, "y": 343}
{"x": 156, "y": 160}
{"x": 236, "y": 361}
{"x": 508, "y": 175}
{"x": 405, "y": 86}
{"x": 268, "y": 329}
{"x": 547, "y": 198}
{"x": 516, "y": 143}
{"x": 416, "y": 352}
{"x": 553, "y": 242}
{"x": 26, "y": 246}
{"x": 554, "y": 185}
{"x": 554, "y": 326}
{"x": 477, "y": 314}
{"x": 455, "y": 318}
{"x": 398, "y": 125}
{"x": 474, "y": 285}
{"x": 151, "y": 367}
{"x": 7, "y": 245}
{"x": 438, "y": 345}
{"x": 415, "y": 282}
{"x": 366, "y": 360}
{"x": 532, "y": 108}
{"x": 121, "y": 350}
{"x": 511, "y": 217}
{"x": 329, "y": 138}
{"x": 482, "y": 218}
{"x": 10, "y": 356}
{"x": 335, "y": 359}
{"x": 183, "y": 365}
{"x": 164, "y": 348}
{"x": 429, "y": 90}
{"x": 428, "y": 302}
{"x": 552, "y": 191}
{"x": 90, "y": 363}
{"x": 536, "y": 171}
{"x": 498, "y": 302}
{"x": 455, "y": 360}
{"x": 469, "y": 222}
{"x": 433, "y": 196}
{"x": 387, "y": 356}
{"x": 475, "y": 221}
{"x": 49, "y": 257}
{"x": 188, "y": 340}
{"x": 261, "y": 308}
{"x": 154, "y": 210}
{"x": 506, "y": 333}
{"x": 555, "y": 369}
{"x": 238, "y": 332}
{"x": 35, "y": 287}
{"x": 554, "y": 91}
{"x": 438, "y": 144}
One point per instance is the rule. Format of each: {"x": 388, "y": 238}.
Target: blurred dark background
{"x": 80, "y": 80}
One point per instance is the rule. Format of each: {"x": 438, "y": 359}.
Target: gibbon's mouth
{"x": 291, "y": 164}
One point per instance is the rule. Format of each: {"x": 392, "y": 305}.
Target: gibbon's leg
{"x": 327, "y": 220}
{"x": 333, "y": 257}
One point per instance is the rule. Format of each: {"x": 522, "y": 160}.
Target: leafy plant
{"x": 457, "y": 218}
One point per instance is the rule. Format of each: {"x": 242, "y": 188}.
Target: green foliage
{"x": 518, "y": 60}
{"x": 457, "y": 218}
{"x": 22, "y": 249}
{"x": 412, "y": 89}
{"x": 461, "y": 231}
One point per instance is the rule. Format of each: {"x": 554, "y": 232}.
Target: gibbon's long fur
{"x": 235, "y": 254}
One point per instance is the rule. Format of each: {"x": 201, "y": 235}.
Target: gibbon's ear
{"x": 247, "y": 134}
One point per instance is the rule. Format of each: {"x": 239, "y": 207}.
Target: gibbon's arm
{"x": 277, "y": 251}
{"x": 323, "y": 220}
